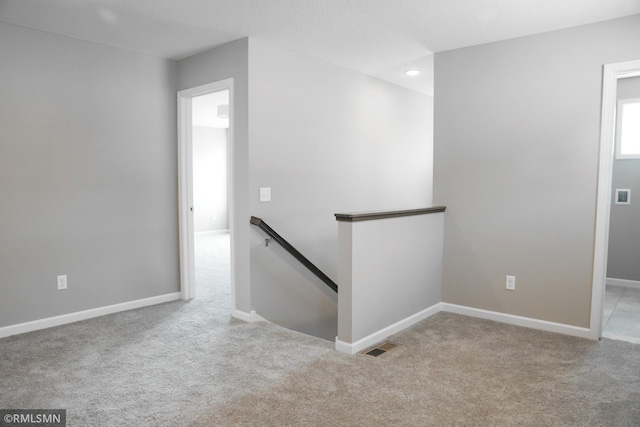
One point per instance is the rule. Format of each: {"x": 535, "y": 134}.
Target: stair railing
{"x": 293, "y": 251}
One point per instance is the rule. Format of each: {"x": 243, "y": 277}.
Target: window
{"x": 628, "y": 129}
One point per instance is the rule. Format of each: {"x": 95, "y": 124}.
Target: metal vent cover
{"x": 381, "y": 349}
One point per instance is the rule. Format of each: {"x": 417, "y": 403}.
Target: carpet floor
{"x": 451, "y": 370}
{"x": 189, "y": 364}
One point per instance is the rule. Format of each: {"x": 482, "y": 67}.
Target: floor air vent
{"x": 381, "y": 349}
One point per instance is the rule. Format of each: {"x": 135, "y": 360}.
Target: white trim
{"x": 511, "y": 319}
{"x": 252, "y": 317}
{"x": 611, "y": 74}
{"x": 185, "y": 196}
{"x": 634, "y": 284}
{"x": 185, "y": 185}
{"x": 211, "y": 232}
{"x": 255, "y": 317}
{"x": 376, "y": 337}
{"x": 64, "y": 319}
{"x": 241, "y": 315}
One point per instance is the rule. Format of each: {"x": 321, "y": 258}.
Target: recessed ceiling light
{"x": 412, "y": 73}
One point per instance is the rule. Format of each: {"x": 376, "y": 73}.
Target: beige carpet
{"x": 188, "y": 363}
{"x": 455, "y": 370}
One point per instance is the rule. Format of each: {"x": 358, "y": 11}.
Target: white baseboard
{"x": 252, "y": 317}
{"x": 376, "y": 337}
{"x": 255, "y": 317}
{"x": 241, "y": 315}
{"x": 510, "y": 319}
{"x": 623, "y": 282}
{"x": 50, "y": 322}
{"x": 211, "y": 232}
{"x": 527, "y": 322}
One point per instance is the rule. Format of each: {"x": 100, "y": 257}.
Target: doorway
{"x": 205, "y": 138}
{"x": 612, "y": 74}
{"x": 621, "y": 318}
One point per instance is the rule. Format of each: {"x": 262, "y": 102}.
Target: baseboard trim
{"x": 252, "y": 317}
{"x": 511, "y": 319}
{"x": 376, "y": 337}
{"x": 255, "y": 317}
{"x": 211, "y": 232}
{"x": 241, "y": 315}
{"x": 634, "y": 284}
{"x": 64, "y": 319}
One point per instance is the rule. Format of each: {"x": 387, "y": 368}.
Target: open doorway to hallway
{"x": 206, "y": 192}
{"x": 211, "y": 230}
{"x": 621, "y": 317}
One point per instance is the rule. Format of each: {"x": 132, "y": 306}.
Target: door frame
{"x": 611, "y": 74}
{"x": 185, "y": 185}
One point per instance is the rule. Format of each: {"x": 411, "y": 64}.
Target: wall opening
{"x": 206, "y": 194}
{"x": 211, "y": 232}
{"x": 612, "y": 75}
{"x": 621, "y": 314}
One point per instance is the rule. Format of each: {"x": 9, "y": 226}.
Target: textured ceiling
{"x": 376, "y": 37}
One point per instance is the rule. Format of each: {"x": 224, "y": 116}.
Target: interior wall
{"x": 225, "y": 62}
{"x": 624, "y": 226}
{"x": 325, "y": 140}
{"x": 210, "y": 179}
{"x": 516, "y": 163}
{"x": 88, "y": 173}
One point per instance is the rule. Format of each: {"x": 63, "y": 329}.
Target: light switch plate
{"x": 265, "y": 194}
{"x": 511, "y": 283}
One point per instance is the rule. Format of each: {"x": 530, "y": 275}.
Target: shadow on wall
{"x": 288, "y": 294}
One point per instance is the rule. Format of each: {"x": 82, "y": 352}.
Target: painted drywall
{"x": 624, "y": 227}
{"x": 226, "y": 62}
{"x": 209, "y": 179}
{"x": 516, "y": 163}
{"x": 325, "y": 140}
{"x": 390, "y": 271}
{"x": 88, "y": 175}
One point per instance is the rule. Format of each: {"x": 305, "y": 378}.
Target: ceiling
{"x": 381, "y": 38}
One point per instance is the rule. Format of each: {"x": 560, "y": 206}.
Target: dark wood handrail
{"x": 294, "y": 252}
{"x": 368, "y": 216}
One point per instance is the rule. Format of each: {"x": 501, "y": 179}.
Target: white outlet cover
{"x": 62, "y": 282}
{"x": 265, "y": 194}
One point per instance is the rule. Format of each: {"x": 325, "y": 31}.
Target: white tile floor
{"x": 621, "y": 318}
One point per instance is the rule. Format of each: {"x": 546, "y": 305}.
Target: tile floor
{"x": 622, "y": 314}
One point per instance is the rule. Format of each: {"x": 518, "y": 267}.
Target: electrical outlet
{"x": 511, "y": 283}
{"x": 265, "y": 194}
{"x": 62, "y": 282}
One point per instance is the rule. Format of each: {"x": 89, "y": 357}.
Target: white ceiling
{"x": 381, "y": 38}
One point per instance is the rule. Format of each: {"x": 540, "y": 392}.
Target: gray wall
{"x": 87, "y": 175}
{"x": 516, "y": 162}
{"x": 224, "y": 62}
{"x": 210, "y": 179}
{"x": 624, "y": 229}
{"x": 326, "y": 140}
{"x": 390, "y": 271}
